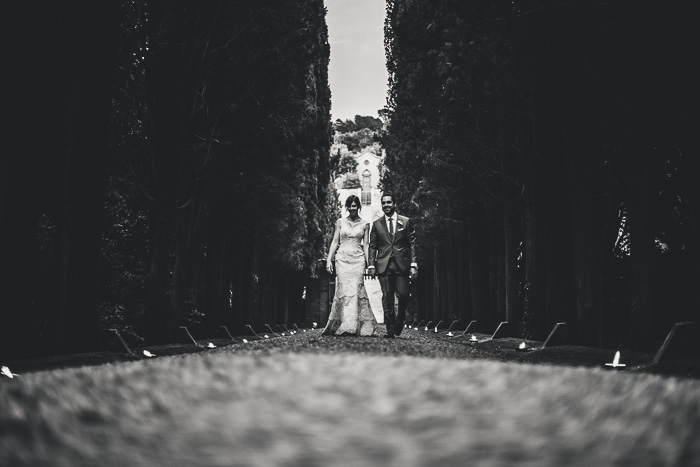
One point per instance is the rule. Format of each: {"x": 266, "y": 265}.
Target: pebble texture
{"x": 309, "y": 400}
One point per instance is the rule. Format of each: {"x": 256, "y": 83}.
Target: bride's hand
{"x": 329, "y": 267}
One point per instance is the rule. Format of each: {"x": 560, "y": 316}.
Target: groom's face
{"x": 388, "y": 205}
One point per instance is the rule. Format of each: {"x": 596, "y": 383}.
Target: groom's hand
{"x": 414, "y": 272}
{"x": 372, "y": 272}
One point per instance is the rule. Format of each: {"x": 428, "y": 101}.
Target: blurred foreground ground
{"x": 308, "y": 400}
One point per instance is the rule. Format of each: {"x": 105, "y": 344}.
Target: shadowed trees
{"x": 54, "y": 174}
{"x": 212, "y": 210}
{"x": 546, "y": 142}
{"x": 237, "y": 187}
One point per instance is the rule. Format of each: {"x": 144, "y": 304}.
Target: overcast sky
{"x": 357, "y": 71}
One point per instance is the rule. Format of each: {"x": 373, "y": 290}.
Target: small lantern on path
{"x": 6, "y": 372}
{"x": 616, "y": 362}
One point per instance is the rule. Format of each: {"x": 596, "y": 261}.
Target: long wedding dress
{"x": 351, "y": 312}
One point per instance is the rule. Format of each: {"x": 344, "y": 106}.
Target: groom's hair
{"x": 390, "y": 195}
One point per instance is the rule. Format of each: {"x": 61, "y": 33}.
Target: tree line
{"x": 360, "y": 122}
{"x": 168, "y": 164}
{"x": 549, "y": 153}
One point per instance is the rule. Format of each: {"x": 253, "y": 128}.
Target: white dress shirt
{"x": 394, "y": 218}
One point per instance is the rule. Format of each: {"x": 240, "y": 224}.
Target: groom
{"x": 392, "y": 256}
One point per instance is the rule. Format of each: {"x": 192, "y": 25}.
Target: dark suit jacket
{"x": 402, "y": 246}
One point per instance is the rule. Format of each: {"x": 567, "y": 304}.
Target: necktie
{"x": 391, "y": 226}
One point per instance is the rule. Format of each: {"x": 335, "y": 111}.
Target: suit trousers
{"x": 394, "y": 283}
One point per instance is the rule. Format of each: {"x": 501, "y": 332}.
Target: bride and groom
{"x": 388, "y": 250}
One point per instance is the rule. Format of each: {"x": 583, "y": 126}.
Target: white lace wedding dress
{"x": 351, "y": 312}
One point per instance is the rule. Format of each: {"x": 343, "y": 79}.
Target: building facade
{"x": 368, "y": 175}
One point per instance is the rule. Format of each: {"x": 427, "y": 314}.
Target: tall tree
{"x": 534, "y": 125}
{"x": 91, "y": 64}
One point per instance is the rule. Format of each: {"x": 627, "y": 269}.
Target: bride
{"x": 351, "y": 313}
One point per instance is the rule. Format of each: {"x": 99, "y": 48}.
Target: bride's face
{"x": 353, "y": 209}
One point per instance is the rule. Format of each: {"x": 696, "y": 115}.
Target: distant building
{"x": 368, "y": 190}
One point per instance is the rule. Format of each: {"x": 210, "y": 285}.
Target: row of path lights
{"x": 211, "y": 345}
{"x": 284, "y": 331}
{"x": 523, "y": 347}
{"x": 417, "y": 324}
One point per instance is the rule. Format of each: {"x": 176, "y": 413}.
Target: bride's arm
{"x": 365, "y": 245}
{"x": 333, "y": 248}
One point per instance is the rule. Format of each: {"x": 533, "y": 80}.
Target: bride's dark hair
{"x": 351, "y": 199}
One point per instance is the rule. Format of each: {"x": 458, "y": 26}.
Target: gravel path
{"x": 309, "y": 400}
{"x": 412, "y": 342}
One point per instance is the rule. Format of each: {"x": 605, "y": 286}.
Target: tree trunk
{"x": 588, "y": 224}
{"x": 479, "y": 267}
{"x": 189, "y": 250}
{"x": 497, "y": 263}
{"x": 30, "y": 166}
{"x": 588, "y": 279}
{"x": 437, "y": 284}
{"x": 240, "y": 289}
{"x": 444, "y": 274}
{"x": 18, "y": 261}
{"x": 85, "y": 175}
{"x": 511, "y": 228}
{"x": 286, "y": 298}
{"x": 643, "y": 104}
{"x": 465, "y": 313}
{"x": 531, "y": 285}
{"x": 691, "y": 177}
{"x": 558, "y": 262}
{"x": 216, "y": 278}
{"x": 641, "y": 237}
{"x": 164, "y": 86}
{"x": 453, "y": 259}
{"x": 425, "y": 292}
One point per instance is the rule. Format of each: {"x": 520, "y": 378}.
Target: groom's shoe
{"x": 398, "y": 329}
{"x": 388, "y": 336}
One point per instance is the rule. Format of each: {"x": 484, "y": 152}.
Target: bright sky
{"x": 357, "y": 71}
